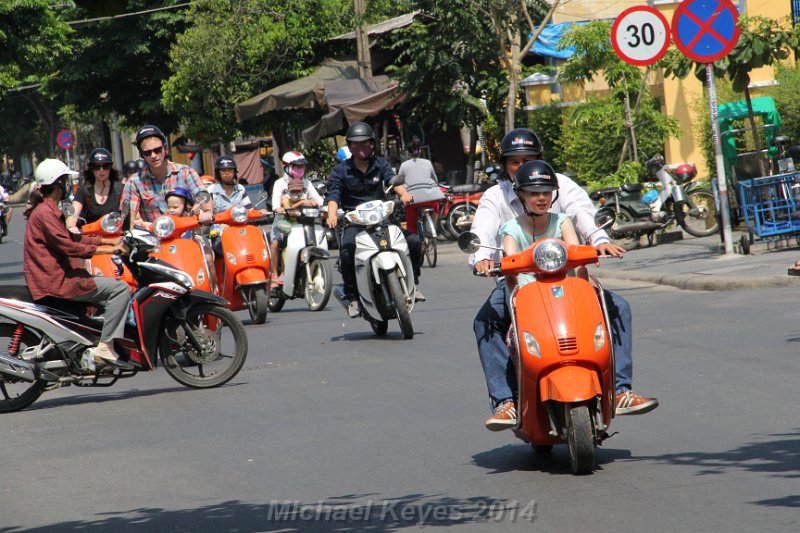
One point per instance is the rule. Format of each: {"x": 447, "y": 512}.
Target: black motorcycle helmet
{"x": 535, "y": 176}
{"x": 225, "y": 161}
{"x": 130, "y": 167}
{"x": 150, "y": 131}
{"x": 99, "y": 156}
{"x": 520, "y": 141}
{"x": 360, "y": 131}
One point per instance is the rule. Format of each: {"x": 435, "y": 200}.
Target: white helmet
{"x": 49, "y": 170}
{"x": 293, "y": 158}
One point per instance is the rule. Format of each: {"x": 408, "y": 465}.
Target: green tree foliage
{"x": 118, "y": 65}
{"x": 234, "y": 50}
{"x": 595, "y": 133}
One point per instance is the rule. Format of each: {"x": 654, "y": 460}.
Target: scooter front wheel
{"x": 206, "y": 349}
{"x": 256, "y": 298}
{"x": 403, "y": 311}
{"x": 580, "y": 438}
{"x": 699, "y": 217}
{"x": 319, "y": 284}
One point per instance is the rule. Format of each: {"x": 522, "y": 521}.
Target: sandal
{"x": 794, "y": 270}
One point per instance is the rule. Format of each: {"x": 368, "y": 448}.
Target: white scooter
{"x": 384, "y": 275}
{"x": 306, "y": 263}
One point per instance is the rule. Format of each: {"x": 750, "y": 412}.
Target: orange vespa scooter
{"x": 109, "y": 225}
{"x": 561, "y": 348}
{"x": 188, "y": 255}
{"x": 243, "y": 271}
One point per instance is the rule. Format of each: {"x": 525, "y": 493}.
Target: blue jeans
{"x": 492, "y": 323}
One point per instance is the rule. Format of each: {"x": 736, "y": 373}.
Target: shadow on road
{"x": 779, "y": 457}
{"x": 367, "y": 513}
{"x": 521, "y": 457}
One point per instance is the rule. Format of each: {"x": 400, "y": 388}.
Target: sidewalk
{"x": 698, "y": 263}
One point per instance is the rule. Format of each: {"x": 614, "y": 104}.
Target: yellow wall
{"x": 680, "y": 97}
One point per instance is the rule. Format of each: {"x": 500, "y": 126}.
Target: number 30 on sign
{"x": 640, "y": 35}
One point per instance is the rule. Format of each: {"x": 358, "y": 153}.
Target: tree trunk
{"x": 513, "y": 83}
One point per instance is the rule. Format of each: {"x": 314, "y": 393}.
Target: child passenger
{"x": 535, "y": 184}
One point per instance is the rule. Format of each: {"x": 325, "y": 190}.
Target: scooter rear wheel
{"x": 276, "y": 299}
{"x": 17, "y": 395}
{"x": 580, "y": 439}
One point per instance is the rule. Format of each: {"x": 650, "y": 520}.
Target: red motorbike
{"x": 460, "y": 204}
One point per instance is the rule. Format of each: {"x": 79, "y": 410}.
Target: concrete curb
{"x": 702, "y": 282}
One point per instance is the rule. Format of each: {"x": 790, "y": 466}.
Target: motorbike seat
{"x": 21, "y": 293}
{"x": 631, "y": 187}
{"x": 467, "y": 188}
{"x": 596, "y": 195}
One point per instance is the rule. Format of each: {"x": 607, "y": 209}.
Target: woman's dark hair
{"x": 38, "y": 195}
{"x": 88, "y": 176}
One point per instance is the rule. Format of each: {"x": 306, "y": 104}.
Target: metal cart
{"x": 770, "y": 207}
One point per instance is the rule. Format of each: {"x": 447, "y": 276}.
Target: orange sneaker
{"x": 504, "y": 417}
{"x": 629, "y": 403}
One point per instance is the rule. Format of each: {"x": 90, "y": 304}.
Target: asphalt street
{"x": 328, "y": 428}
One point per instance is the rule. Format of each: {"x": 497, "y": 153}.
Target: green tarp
{"x": 732, "y": 112}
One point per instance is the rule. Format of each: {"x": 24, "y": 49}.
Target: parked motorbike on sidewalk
{"x": 305, "y": 262}
{"x": 680, "y": 200}
{"x": 46, "y": 345}
{"x": 384, "y": 275}
{"x": 561, "y": 348}
{"x": 461, "y": 203}
{"x": 243, "y": 271}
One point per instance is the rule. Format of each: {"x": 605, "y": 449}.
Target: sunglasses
{"x": 104, "y": 166}
{"x": 156, "y": 151}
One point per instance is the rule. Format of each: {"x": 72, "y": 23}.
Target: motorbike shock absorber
{"x": 16, "y": 340}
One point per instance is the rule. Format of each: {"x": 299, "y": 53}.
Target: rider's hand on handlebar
{"x": 484, "y": 267}
{"x": 607, "y": 249}
{"x": 205, "y": 216}
{"x": 406, "y": 199}
{"x": 333, "y": 219}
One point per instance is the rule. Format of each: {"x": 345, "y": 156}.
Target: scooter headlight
{"x": 163, "y": 227}
{"x": 550, "y": 255}
{"x": 239, "y": 214}
{"x": 370, "y": 213}
{"x": 112, "y": 222}
{"x": 231, "y": 258}
{"x": 531, "y": 344}
{"x": 310, "y": 212}
{"x": 599, "y": 337}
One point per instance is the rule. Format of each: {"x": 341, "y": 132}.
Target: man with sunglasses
{"x": 147, "y": 191}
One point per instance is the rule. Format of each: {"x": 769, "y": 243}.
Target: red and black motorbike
{"x": 47, "y": 344}
{"x": 461, "y": 203}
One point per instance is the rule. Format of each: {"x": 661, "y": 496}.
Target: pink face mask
{"x": 297, "y": 172}
{"x": 362, "y": 152}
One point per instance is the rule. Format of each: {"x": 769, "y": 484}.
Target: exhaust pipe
{"x": 15, "y": 368}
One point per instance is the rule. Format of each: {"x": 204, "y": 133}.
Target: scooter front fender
{"x": 570, "y": 384}
{"x": 309, "y": 252}
{"x": 388, "y": 261}
{"x": 250, "y": 276}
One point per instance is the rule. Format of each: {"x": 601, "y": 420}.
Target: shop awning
{"x": 351, "y": 101}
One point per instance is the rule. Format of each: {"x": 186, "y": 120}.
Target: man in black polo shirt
{"x": 356, "y": 180}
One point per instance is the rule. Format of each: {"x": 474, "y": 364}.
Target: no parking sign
{"x": 705, "y": 30}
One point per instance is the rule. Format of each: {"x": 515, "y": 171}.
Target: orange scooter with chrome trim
{"x": 243, "y": 271}
{"x": 561, "y": 348}
{"x": 189, "y": 255}
{"x": 109, "y": 225}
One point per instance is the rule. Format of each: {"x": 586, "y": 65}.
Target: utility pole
{"x": 362, "y": 42}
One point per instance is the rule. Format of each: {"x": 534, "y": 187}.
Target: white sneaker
{"x": 418, "y": 296}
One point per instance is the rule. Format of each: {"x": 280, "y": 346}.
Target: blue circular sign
{"x": 705, "y": 30}
{"x": 65, "y": 139}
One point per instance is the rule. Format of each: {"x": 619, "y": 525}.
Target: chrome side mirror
{"x": 604, "y": 218}
{"x": 469, "y": 243}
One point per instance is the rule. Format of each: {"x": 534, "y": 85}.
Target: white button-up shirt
{"x": 500, "y": 204}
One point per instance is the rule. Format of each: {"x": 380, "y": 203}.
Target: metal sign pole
{"x": 722, "y": 182}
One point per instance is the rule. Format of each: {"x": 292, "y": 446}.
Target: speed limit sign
{"x": 640, "y": 35}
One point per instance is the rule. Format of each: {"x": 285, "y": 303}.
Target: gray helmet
{"x": 150, "y": 131}
{"x": 360, "y": 131}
